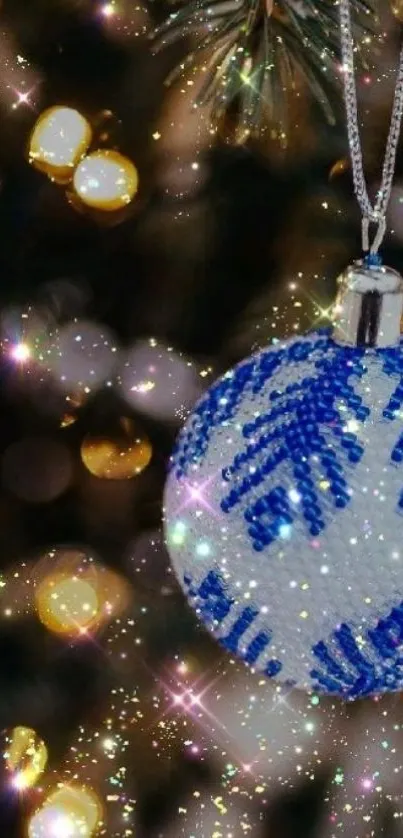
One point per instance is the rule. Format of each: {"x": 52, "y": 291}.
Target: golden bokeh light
{"x": 397, "y": 9}
{"x": 26, "y": 757}
{"x": 67, "y": 604}
{"x": 339, "y": 168}
{"x": 67, "y": 420}
{"x": 121, "y": 457}
{"x": 61, "y": 137}
{"x": 71, "y": 811}
{"x": 106, "y": 181}
{"x": 76, "y": 596}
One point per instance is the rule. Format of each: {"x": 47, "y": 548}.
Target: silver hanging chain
{"x": 375, "y": 214}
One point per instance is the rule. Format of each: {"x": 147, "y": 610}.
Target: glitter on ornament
{"x": 301, "y": 447}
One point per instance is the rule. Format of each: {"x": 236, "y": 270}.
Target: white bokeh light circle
{"x": 157, "y": 381}
{"x": 81, "y": 356}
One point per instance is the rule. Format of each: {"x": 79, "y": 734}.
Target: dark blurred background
{"x": 225, "y": 248}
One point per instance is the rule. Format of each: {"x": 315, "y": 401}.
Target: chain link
{"x": 371, "y": 213}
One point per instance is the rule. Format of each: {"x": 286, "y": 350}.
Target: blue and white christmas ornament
{"x": 284, "y": 502}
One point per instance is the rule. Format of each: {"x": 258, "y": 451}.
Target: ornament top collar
{"x": 369, "y": 305}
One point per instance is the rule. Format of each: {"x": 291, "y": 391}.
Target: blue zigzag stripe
{"x": 211, "y": 601}
{"x": 343, "y": 667}
{"x": 347, "y": 670}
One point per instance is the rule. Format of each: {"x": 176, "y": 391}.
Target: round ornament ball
{"x": 284, "y": 501}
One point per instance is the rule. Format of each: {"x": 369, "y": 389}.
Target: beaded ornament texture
{"x": 283, "y": 514}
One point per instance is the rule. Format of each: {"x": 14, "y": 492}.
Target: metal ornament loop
{"x": 379, "y": 235}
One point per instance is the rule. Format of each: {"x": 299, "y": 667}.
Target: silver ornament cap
{"x": 369, "y": 305}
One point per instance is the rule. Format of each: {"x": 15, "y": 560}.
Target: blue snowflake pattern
{"x": 301, "y": 423}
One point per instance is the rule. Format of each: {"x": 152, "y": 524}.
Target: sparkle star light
{"x": 21, "y": 352}
{"x": 108, "y": 10}
{"x": 196, "y": 495}
{"x": 23, "y": 98}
